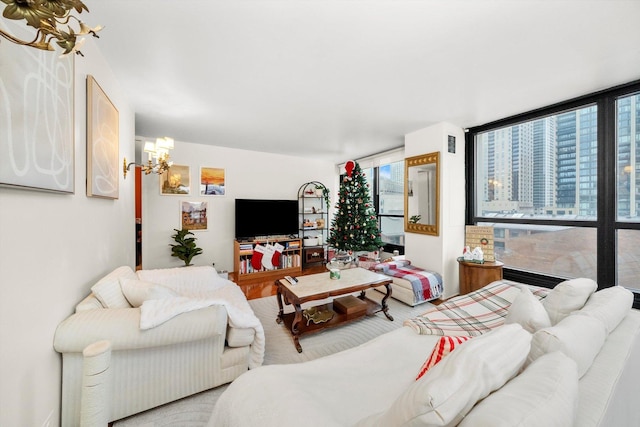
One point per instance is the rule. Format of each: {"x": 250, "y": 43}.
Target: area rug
{"x": 194, "y": 411}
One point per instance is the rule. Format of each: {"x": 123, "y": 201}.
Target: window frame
{"x": 374, "y": 162}
{"x": 387, "y": 247}
{"x": 606, "y": 223}
{"x": 375, "y": 199}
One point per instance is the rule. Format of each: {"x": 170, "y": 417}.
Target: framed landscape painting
{"x": 36, "y": 117}
{"x": 102, "y": 143}
{"x": 176, "y": 181}
{"x": 193, "y": 216}
{"x": 211, "y": 181}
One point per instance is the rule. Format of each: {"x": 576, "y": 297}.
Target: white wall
{"x": 248, "y": 174}
{"x": 53, "y": 247}
{"x": 439, "y": 253}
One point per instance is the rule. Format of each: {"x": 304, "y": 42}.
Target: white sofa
{"x": 189, "y": 351}
{"x": 568, "y": 360}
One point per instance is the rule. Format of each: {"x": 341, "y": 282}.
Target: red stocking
{"x": 256, "y": 259}
{"x": 275, "y": 260}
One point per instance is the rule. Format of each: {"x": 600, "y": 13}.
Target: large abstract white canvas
{"x": 36, "y": 116}
{"x": 102, "y": 143}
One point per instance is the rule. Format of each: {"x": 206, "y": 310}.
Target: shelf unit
{"x": 314, "y": 223}
{"x": 290, "y": 259}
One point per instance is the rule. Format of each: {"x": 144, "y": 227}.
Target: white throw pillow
{"x": 108, "y": 290}
{"x": 579, "y": 337}
{"x": 138, "y": 291}
{"x": 528, "y": 311}
{"x": 609, "y": 305}
{"x": 545, "y": 394}
{"x": 444, "y": 395}
{"x": 567, "y": 297}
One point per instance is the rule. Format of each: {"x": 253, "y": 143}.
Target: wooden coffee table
{"x": 319, "y": 286}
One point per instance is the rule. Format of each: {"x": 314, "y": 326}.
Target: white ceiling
{"x": 344, "y": 79}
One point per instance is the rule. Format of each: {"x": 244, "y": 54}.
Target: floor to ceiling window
{"x": 385, "y": 175}
{"x": 561, "y": 188}
{"x": 627, "y": 130}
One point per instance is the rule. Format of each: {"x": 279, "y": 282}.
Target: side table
{"x": 474, "y": 276}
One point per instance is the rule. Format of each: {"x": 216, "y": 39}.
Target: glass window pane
{"x": 554, "y": 250}
{"x": 628, "y": 258}
{"x": 628, "y": 158}
{"x": 544, "y": 168}
{"x": 391, "y": 189}
{"x": 392, "y": 230}
{"x": 369, "y": 177}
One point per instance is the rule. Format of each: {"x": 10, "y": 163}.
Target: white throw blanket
{"x": 336, "y": 390}
{"x": 204, "y": 294}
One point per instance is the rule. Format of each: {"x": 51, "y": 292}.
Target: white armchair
{"x": 189, "y": 353}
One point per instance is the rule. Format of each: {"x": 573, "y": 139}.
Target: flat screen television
{"x": 263, "y": 217}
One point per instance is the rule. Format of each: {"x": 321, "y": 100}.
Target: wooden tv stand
{"x": 290, "y": 260}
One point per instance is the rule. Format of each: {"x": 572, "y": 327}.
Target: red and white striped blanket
{"x": 426, "y": 285}
{"x": 472, "y": 314}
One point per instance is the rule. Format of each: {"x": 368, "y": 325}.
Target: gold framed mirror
{"x": 422, "y": 194}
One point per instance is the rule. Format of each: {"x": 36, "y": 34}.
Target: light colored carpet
{"x": 194, "y": 411}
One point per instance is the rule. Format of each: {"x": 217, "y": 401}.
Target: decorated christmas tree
{"x": 354, "y": 226}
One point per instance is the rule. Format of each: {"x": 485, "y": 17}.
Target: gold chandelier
{"x": 158, "y": 151}
{"x": 45, "y": 16}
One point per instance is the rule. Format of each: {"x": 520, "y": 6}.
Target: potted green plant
{"x": 185, "y": 247}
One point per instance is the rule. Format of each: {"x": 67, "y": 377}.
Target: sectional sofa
{"x": 517, "y": 355}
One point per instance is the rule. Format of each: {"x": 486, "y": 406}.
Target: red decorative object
{"x": 349, "y": 167}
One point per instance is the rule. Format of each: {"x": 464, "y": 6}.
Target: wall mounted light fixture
{"x": 158, "y": 151}
{"x": 45, "y": 16}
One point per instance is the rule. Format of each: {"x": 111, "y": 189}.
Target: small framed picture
{"x": 212, "y": 181}
{"x": 193, "y": 216}
{"x": 176, "y": 181}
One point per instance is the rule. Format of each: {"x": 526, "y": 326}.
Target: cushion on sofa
{"x": 444, "y": 346}
{"x": 579, "y": 337}
{"x": 138, "y": 291}
{"x": 445, "y": 394}
{"x": 545, "y": 394}
{"x": 391, "y": 265}
{"x": 240, "y": 337}
{"x": 528, "y": 311}
{"x": 90, "y": 302}
{"x": 568, "y": 296}
{"x": 108, "y": 290}
{"x": 609, "y": 305}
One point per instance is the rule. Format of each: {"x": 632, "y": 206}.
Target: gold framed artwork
{"x": 102, "y": 143}
{"x": 193, "y": 216}
{"x": 482, "y": 237}
{"x": 176, "y": 181}
{"x": 212, "y": 181}
{"x": 36, "y": 117}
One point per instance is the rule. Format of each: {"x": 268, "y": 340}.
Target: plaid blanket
{"x": 426, "y": 285}
{"x": 472, "y": 314}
